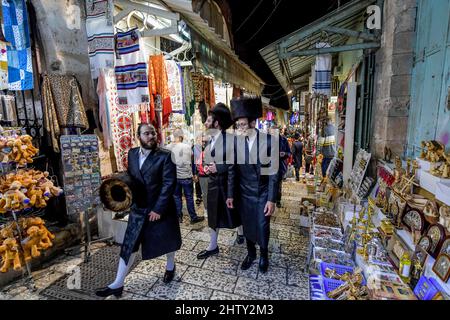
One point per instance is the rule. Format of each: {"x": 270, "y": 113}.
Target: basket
{"x": 340, "y": 270}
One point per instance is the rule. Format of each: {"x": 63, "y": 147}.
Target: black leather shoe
{"x": 207, "y": 253}
{"x": 247, "y": 263}
{"x": 107, "y": 291}
{"x": 240, "y": 239}
{"x": 278, "y": 204}
{"x": 197, "y": 219}
{"x": 169, "y": 275}
{"x": 263, "y": 264}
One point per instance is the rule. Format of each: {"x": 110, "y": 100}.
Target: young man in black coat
{"x": 153, "y": 221}
{"x": 297, "y": 154}
{"x": 256, "y": 179}
{"x": 219, "y": 172}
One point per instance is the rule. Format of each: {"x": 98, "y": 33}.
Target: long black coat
{"x": 252, "y": 190}
{"x": 153, "y": 188}
{"x": 297, "y": 153}
{"x": 219, "y": 215}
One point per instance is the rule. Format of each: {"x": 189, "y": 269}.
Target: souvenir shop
{"x": 57, "y": 146}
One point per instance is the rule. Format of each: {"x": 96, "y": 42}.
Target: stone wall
{"x": 394, "y": 62}
{"x": 62, "y": 29}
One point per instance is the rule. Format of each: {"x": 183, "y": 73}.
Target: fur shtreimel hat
{"x": 246, "y": 108}
{"x": 223, "y": 115}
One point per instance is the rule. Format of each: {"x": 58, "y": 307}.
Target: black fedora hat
{"x": 246, "y": 108}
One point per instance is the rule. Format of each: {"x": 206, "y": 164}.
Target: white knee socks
{"x": 240, "y": 230}
{"x": 170, "y": 261}
{"x": 122, "y": 272}
{"x": 213, "y": 242}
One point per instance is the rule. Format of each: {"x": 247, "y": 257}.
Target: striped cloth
{"x": 100, "y": 34}
{"x": 17, "y": 33}
{"x": 322, "y": 72}
{"x": 131, "y": 71}
{"x": 175, "y": 87}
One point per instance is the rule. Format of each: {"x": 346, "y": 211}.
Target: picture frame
{"x": 441, "y": 266}
{"x": 420, "y": 255}
{"x": 445, "y": 248}
{"x": 425, "y": 243}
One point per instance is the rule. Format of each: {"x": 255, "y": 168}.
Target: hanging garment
{"x": 208, "y": 86}
{"x": 9, "y": 110}
{"x": 159, "y": 88}
{"x": 51, "y": 124}
{"x": 67, "y": 99}
{"x": 131, "y": 71}
{"x": 122, "y": 122}
{"x": 188, "y": 96}
{"x": 20, "y": 66}
{"x": 103, "y": 110}
{"x": 174, "y": 85}
{"x": 100, "y": 34}
{"x": 3, "y": 66}
{"x": 198, "y": 85}
{"x": 322, "y": 78}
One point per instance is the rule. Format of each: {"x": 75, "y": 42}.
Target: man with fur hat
{"x": 220, "y": 171}
{"x": 256, "y": 175}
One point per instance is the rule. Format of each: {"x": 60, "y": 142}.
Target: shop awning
{"x": 215, "y": 55}
{"x": 291, "y": 57}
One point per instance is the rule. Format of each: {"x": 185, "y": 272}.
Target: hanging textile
{"x": 322, "y": 72}
{"x": 131, "y": 72}
{"x": 20, "y": 66}
{"x": 174, "y": 85}
{"x": 188, "y": 94}
{"x": 123, "y": 124}
{"x": 159, "y": 89}
{"x": 100, "y": 35}
{"x": 208, "y": 87}
{"x": 51, "y": 124}
{"x": 198, "y": 86}
{"x": 103, "y": 109}
{"x": 67, "y": 99}
{"x": 3, "y": 66}
{"x": 9, "y": 110}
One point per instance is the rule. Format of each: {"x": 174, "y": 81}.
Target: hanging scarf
{"x": 174, "y": 85}
{"x": 159, "y": 88}
{"x": 51, "y": 124}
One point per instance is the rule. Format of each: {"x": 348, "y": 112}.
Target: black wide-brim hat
{"x": 223, "y": 114}
{"x": 246, "y": 108}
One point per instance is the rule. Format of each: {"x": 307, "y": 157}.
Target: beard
{"x": 148, "y": 146}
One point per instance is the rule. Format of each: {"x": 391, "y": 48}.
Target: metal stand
{"x": 87, "y": 240}
{"x": 29, "y": 281}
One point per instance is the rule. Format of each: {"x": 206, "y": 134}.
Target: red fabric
{"x": 199, "y": 164}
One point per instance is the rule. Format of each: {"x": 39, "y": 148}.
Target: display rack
{"x": 358, "y": 172}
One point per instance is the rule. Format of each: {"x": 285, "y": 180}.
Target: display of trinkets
{"x": 365, "y": 187}
{"x": 352, "y": 289}
{"x": 327, "y": 232}
{"x": 391, "y": 291}
{"x": 81, "y": 167}
{"x": 332, "y": 256}
{"x": 437, "y": 235}
{"x": 413, "y": 219}
{"x": 329, "y": 243}
{"x": 444, "y": 217}
{"x": 327, "y": 219}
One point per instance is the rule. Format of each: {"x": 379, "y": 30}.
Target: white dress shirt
{"x": 143, "y": 154}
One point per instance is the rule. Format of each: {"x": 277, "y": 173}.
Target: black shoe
{"x": 263, "y": 264}
{"x": 278, "y": 204}
{"x": 197, "y": 219}
{"x": 207, "y": 253}
{"x": 240, "y": 239}
{"x": 198, "y": 201}
{"x": 169, "y": 275}
{"x": 107, "y": 291}
{"x": 247, "y": 263}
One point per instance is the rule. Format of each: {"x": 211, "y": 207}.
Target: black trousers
{"x": 198, "y": 191}
{"x": 297, "y": 172}
{"x": 308, "y": 167}
{"x": 251, "y": 249}
{"x": 280, "y": 186}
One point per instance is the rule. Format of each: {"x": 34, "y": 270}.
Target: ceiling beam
{"x": 317, "y": 51}
{"x": 351, "y": 33}
{"x": 147, "y": 9}
{"x": 160, "y": 32}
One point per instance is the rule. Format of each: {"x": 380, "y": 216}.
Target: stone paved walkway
{"x": 218, "y": 277}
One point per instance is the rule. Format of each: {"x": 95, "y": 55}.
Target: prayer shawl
{"x": 188, "y": 93}
{"x": 100, "y": 34}
{"x": 3, "y": 66}
{"x": 322, "y": 72}
{"x": 131, "y": 71}
{"x": 20, "y": 66}
{"x": 174, "y": 84}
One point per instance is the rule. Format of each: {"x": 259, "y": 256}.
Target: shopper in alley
{"x": 219, "y": 171}
{"x": 153, "y": 223}
{"x": 327, "y": 145}
{"x": 182, "y": 153}
{"x": 297, "y": 153}
{"x": 256, "y": 186}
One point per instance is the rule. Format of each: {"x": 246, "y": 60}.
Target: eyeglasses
{"x": 241, "y": 125}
